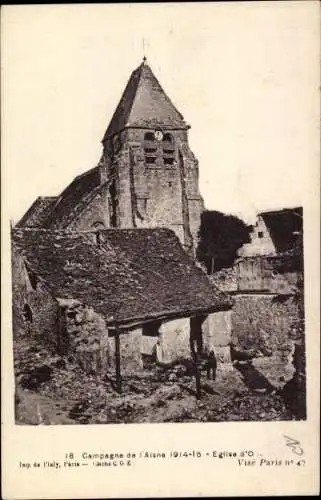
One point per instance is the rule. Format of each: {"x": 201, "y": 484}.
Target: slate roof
{"x": 79, "y": 192}
{"x": 144, "y": 104}
{"x": 134, "y": 275}
{"x": 284, "y": 227}
{"x": 38, "y": 212}
{"x": 56, "y": 212}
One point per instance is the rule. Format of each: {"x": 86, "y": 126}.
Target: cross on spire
{"x": 144, "y": 51}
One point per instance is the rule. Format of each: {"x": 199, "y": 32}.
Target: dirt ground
{"x": 51, "y": 390}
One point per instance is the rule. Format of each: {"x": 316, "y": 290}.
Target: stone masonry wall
{"x": 262, "y": 321}
{"x": 175, "y": 340}
{"x": 124, "y": 199}
{"x": 85, "y": 337}
{"x": 195, "y": 204}
{"x": 217, "y": 334}
{"x": 265, "y": 322}
{"x": 150, "y": 195}
{"x": 97, "y": 210}
{"x": 130, "y": 350}
{"x": 44, "y": 307}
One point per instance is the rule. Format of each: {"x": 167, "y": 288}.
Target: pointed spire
{"x": 144, "y": 104}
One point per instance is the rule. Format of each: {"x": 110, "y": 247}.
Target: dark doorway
{"x": 196, "y": 335}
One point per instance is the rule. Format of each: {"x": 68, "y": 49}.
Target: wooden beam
{"x": 197, "y": 377}
{"x": 117, "y": 360}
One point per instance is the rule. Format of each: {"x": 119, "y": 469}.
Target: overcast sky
{"x": 244, "y": 76}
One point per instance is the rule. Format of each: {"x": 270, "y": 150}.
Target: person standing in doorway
{"x": 211, "y": 366}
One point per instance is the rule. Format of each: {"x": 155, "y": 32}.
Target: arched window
{"x": 168, "y": 139}
{"x": 150, "y": 148}
{"x": 98, "y": 225}
{"x": 168, "y": 149}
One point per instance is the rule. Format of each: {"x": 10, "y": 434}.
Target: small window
{"x": 260, "y": 234}
{"x": 27, "y": 313}
{"x": 150, "y": 159}
{"x": 168, "y": 161}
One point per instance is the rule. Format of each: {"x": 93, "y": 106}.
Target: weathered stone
{"x": 174, "y": 340}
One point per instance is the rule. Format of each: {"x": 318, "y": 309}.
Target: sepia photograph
{"x": 132, "y": 301}
{"x": 158, "y": 195}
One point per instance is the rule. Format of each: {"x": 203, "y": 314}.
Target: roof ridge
{"x": 118, "y": 110}
{"x": 278, "y": 210}
{"x": 140, "y": 67}
{"x": 32, "y": 210}
{"x": 90, "y": 197}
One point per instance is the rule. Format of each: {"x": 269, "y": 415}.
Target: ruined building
{"x": 72, "y": 289}
{"x": 265, "y": 281}
{"x": 147, "y": 176}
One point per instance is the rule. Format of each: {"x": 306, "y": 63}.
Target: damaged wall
{"x": 266, "y": 323}
{"x": 217, "y": 334}
{"x": 84, "y": 336}
{"x": 263, "y": 321}
{"x": 29, "y": 291}
{"x": 174, "y": 340}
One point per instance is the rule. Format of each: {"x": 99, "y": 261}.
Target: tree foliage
{"x": 220, "y": 236}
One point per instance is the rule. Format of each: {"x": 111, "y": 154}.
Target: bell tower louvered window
{"x": 150, "y": 148}
{"x": 159, "y": 148}
{"x": 168, "y": 149}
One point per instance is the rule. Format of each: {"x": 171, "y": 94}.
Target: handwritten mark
{"x": 294, "y": 445}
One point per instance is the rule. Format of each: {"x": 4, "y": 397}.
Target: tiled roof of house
{"x": 38, "y": 212}
{"x": 284, "y": 227}
{"x": 132, "y": 275}
{"x": 144, "y": 104}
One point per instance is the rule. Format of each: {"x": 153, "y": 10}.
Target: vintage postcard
{"x": 160, "y": 249}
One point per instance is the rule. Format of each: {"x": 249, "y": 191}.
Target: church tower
{"x": 147, "y": 176}
{"x": 151, "y": 172}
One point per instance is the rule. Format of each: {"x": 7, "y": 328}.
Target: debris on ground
{"x": 52, "y": 390}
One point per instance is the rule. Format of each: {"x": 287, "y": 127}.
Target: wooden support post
{"x": 117, "y": 360}
{"x": 197, "y": 377}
